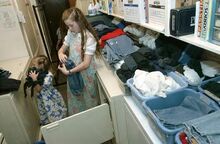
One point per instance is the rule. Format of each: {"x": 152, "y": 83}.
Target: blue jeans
{"x": 75, "y": 80}
{"x": 205, "y": 129}
{"x": 190, "y": 108}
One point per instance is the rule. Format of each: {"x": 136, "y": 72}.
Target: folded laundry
{"x": 205, "y": 129}
{"x": 191, "y": 107}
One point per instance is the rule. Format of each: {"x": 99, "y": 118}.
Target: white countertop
{"x": 17, "y": 66}
{"x": 109, "y": 81}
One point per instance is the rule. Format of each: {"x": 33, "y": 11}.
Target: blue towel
{"x": 75, "y": 80}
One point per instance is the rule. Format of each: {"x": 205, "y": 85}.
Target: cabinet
{"x": 19, "y": 121}
{"x": 138, "y": 125}
{"x": 29, "y": 26}
{"x": 92, "y": 126}
{"x": 134, "y": 132}
{"x": 95, "y": 125}
{"x": 19, "y": 33}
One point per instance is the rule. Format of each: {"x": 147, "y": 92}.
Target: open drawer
{"x": 92, "y": 126}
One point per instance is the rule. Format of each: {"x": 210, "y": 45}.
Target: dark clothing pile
{"x": 29, "y": 83}
{"x": 141, "y": 59}
{"x": 8, "y": 85}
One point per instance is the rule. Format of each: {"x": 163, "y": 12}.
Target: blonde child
{"x": 51, "y": 106}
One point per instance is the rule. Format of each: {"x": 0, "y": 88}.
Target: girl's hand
{"x": 33, "y": 75}
{"x": 63, "y": 69}
{"x": 62, "y": 57}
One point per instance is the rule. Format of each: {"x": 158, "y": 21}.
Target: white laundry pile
{"x": 192, "y": 76}
{"x": 210, "y": 68}
{"x": 154, "y": 83}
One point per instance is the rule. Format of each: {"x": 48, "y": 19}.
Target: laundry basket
{"x": 201, "y": 89}
{"x": 136, "y": 93}
{"x": 172, "y": 100}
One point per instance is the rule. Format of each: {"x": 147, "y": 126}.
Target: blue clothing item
{"x": 121, "y": 45}
{"x": 75, "y": 80}
{"x": 118, "y": 48}
{"x": 51, "y": 106}
{"x": 39, "y": 142}
{"x": 206, "y": 129}
{"x": 191, "y": 107}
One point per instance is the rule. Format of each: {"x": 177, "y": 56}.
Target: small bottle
{"x": 91, "y": 9}
{"x": 110, "y": 6}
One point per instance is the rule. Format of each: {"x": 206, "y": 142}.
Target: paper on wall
{"x": 8, "y": 18}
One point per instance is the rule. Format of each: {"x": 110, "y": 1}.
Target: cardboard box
{"x": 134, "y": 11}
{"x": 118, "y": 7}
{"x": 156, "y": 12}
{"x": 182, "y": 3}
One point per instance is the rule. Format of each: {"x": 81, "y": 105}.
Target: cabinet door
{"x": 10, "y": 124}
{"x": 18, "y": 120}
{"x": 92, "y": 126}
{"x": 28, "y": 26}
{"x": 134, "y": 132}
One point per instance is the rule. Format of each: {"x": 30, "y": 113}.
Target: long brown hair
{"x": 76, "y": 15}
{"x": 41, "y": 62}
{"x": 63, "y": 30}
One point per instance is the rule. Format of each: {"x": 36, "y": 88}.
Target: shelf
{"x": 200, "y": 43}
{"x": 105, "y": 12}
{"x": 17, "y": 66}
{"x": 118, "y": 16}
{"x": 154, "y": 27}
{"x": 191, "y": 39}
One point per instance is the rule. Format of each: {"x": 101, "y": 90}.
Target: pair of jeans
{"x": 75, "y": 80}
{"x": 190, "y": 108}
{"x": 206, "y": 129}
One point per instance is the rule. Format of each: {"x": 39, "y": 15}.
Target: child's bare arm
{"x": 34, "y": 75}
